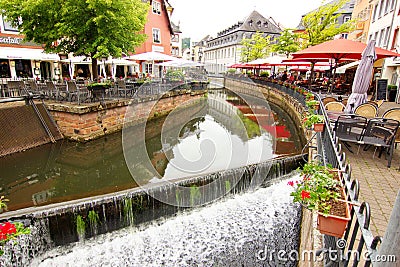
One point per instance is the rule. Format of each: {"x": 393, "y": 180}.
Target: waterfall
{"x": 242, "y": 230}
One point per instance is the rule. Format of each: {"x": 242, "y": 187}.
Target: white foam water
{"x": 237, "y": 231}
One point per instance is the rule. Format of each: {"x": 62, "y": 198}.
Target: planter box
{"x": 333, "y": 225}
{"x": 319, "y": 127}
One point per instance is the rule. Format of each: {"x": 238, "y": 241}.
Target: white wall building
{"x": 224, "y": 50}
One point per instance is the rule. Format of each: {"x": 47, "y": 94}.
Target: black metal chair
{"x": 381, "y": 133}
{"x": 124, "y": 89}
{"x": 350, "y": 129}
{"x": 81, "y": 94}
{"x": 15, "y": 88}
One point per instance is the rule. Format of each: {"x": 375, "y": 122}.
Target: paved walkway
{"x": 379, "y": 185}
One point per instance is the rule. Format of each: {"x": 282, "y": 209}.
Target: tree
{"x": 287, "y": 43}
{"x": 255, "y": 47}
{"x": 92, "y": 28}
{"x": 321, "y": 24}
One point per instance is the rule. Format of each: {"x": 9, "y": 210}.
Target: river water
{"x": 243, "y": 230}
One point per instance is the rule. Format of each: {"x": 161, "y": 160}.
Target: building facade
{"x": 362, "y": 14}
{"x": 384, "y": 29}
{"x": 19, "y": 59}
{"x": 225, "y": 49}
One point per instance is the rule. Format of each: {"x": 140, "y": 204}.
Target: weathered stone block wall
{"x": 84, "y": 123}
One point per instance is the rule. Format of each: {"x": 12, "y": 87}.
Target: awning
{"x": 27, "y": 53}
{"x": 342, "y": 69}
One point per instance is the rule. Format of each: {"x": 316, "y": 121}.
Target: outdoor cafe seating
{"x": 359, "y": 130}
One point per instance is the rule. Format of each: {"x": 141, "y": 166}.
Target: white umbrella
{"x": 152, "y": 56}
{"x": 362, "y": 78}
{"x": 179, "y": 62}
{"x": 121, "y": 62}
{"x": 114, "y": 62}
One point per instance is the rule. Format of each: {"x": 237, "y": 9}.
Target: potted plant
{"x": 312, "y": 104}
{"x": 10, "y": 230}
{"x": 314, "y": 121}
{"x": 320, "y": 190}
{"x": 309, "y": 96}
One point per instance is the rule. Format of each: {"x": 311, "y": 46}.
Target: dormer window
{"x": 156, "y": 7}
{"x": 258, "y": 24}
{"x": 266, "y": 24}
{"x": 251, "y": 23}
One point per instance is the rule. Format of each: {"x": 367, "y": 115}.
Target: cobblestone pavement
{"x": 379, "y": 185}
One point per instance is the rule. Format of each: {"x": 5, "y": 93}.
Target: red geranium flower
{"x": 291, "y": 183}
{"x": 305, "y": 194}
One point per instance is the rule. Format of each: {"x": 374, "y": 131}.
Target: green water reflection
{"x": 67, "y": 170}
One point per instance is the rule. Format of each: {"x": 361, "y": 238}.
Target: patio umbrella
{"x": 152, "y": 56}
{"x": 339, "y": 49}
{"x": 362, "y": 78}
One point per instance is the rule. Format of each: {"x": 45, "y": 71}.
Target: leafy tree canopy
{"x": 96, "y": 28}
{"x": 287, "y": 43}
{"x": 321, "y": 24}
{"x": 255, "y": 47}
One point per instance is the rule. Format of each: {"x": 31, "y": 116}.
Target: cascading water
{"x": 243, "y": 230}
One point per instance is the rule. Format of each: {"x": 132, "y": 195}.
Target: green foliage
{"x": 311, "y": 104}
{"x": 264, "y": 74}
{"x": 255, "y": 47}
{"x": 195, "y": 195}
{"x": 175, "y": 75}
{"x": 287, "y": 43}
{"x": 3, "y": 205}
{"x": 390, "y": 87}
{"x": 91, "y": 27}
{"x": 317, "y": 187}
{"x": 104, "y": 84}
{"x": 80, "y": 227}
{"x": 252, "y": 128}
{"x": 9, "y": 234}
{"x": 227, "y": 186}
{"x": 178, "y": 197}
{"x": 321, "y": 25}
{"x": 128, "y": 211}
{"x": 311, "y": 119}
{"x": 231, "y": 71}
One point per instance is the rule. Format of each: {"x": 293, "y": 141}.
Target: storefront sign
{"x": 10, "y": 40}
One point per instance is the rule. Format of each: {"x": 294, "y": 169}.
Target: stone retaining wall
{"x": 87, "y": 122}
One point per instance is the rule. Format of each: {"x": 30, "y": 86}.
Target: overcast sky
{"x": 201, "y": 17}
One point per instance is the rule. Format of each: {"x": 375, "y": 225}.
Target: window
{"x": 156, "y": 36}
{"x": 149, "y": 68}
{"x": 395, "y": 36}
{"x": 381, "y": 38}
{"x": 381, "y": 8}
{"x": 375, "y": 12}
{"x": 175, "y": 38}
{"x": 346, "y": 19}
{"x": 387, "y": 6}
{"x": 392, "y": 5}
{"x": 23, "y": 68}
{"x": 386, "y": 41}
{"x": 156, "y": 7}
{"x": 7, "y": 25}
{"x": 4, "y": 69}
{"x": 344, "y": 35}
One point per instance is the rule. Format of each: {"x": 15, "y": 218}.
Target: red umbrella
{"x": 339, "y": 49}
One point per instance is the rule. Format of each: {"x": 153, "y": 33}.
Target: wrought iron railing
{"x": 329, "y": 151}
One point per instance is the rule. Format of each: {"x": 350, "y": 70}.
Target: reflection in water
{"x": 223, "y": 134}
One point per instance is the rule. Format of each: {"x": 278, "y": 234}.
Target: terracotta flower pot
{"x": 319, "y": 127}
{"x": 333, "y": 225}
